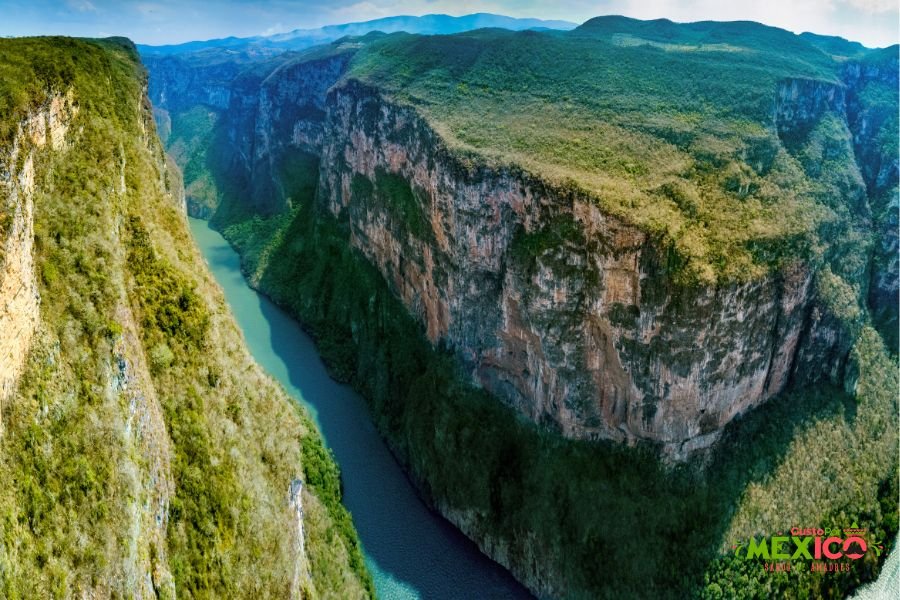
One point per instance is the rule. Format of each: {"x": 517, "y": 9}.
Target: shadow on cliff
{"x": 414, "y": 550}
{"x": 589, "y": 519}
{"x": 604, "y": 520}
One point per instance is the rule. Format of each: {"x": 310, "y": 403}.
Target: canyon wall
{"x": 874, "y": 141}
{"x": 43, "y": 128}
{"x": 566, "y": 313}
{"x": 570, "y": 315}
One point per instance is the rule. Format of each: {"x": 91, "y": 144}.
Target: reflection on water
{"x": 410, "y": 551}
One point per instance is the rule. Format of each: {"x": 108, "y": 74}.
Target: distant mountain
{"x": 299, "y": 39}
{"x": 835, "y": 46}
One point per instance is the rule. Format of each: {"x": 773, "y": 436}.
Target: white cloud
{"x": 874, "y": 6}
{"x": 276, "y": 28}
{"x": 81, "y": 5}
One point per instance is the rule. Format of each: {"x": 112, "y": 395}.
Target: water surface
{"x": 410, "y": 551}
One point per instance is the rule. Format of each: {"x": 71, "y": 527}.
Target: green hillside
{"x": 669, "y": 126}
{"x": 138, "y": 390}
{"x": 673, "y": 128}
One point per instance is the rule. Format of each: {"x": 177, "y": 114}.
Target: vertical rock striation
{"x": 43, "y": 128}
{"x": 565, "y": 312}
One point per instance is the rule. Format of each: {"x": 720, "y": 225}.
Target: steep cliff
{"x": 638, "y": 246}
{"x": 45, "y": 127}
{"x": 646, "y": 356}
{"x": 239, "y": 119}
{"x": 144, "y": 453}
{"x": 872, "y": 85}
{"x": 592, "y": 334}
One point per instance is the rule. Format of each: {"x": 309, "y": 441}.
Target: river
{"x": 410, "y": 551}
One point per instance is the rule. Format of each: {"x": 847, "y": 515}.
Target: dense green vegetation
{"x": 667, "y": 532}
{"x": 671, "y": 128}
{"x": 190, "y": 137}
{"x": 631, "y": 111}
{"x": 123, "y": 290}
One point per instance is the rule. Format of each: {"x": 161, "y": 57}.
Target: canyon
{"x": 528, "y": 330}
{"x": 133, "y": 419}
{"x": 593, "y": 335}
{"x": 588, "y": 302}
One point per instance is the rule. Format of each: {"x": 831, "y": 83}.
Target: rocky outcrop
{"x": 146, "y": 565}
{"x": 800, "y": 103}
{"x": 43, "y": 128}
{"x": 290, "y": 114}
{"x": 301, "y": 579}
{"x": 565, "y": 312}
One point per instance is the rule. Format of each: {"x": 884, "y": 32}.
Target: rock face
{"x": 44, "y": 127}
{"x": 265, "y": 112}
{"x": 880, "y": 168}
{"x": 568, "y": 314}
{"x": 290, "y": 114}
{"x": 146, "y": 567}
{"x": 173, "y": 86}
{"x": 572, "y": 316}
{"x": 301, "y": 577}
{"x": 565, "y": 312}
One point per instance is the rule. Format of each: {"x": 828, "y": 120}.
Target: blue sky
{"x": 873, "y": 22}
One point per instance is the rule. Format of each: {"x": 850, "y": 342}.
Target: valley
{"x": 448, "y": 307}
{"x": 516, "y": 303}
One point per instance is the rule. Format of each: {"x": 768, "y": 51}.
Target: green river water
{"x": 411, "y": 551}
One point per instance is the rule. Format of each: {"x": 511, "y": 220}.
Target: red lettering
{"x": 826, "y": 548}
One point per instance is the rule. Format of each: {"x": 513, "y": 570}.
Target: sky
{"x": 872, "y": 22}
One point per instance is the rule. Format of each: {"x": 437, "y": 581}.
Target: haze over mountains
{"x": 299, "y": 39}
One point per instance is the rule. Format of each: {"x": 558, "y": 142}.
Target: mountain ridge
{"x": 302, "y": 38}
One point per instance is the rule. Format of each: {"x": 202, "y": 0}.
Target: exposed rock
{"x": 301, "y": 577}
{"x": 567, "y": 313}
{"x": 880, "y": 169}
{"x": 174, "y": 86}
{"x": 588, "y": 333}
{"x": 146, "y": 565}
{"x": 44, "y": 127}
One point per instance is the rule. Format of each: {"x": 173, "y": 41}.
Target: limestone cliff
{"x": 568, "y": 313}
{"x": 44, "y": 128}
{"x": 565, "y": 312}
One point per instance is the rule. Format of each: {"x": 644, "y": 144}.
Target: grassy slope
{"x": 236, "y": 440}
{"x": 668, "y": 126}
